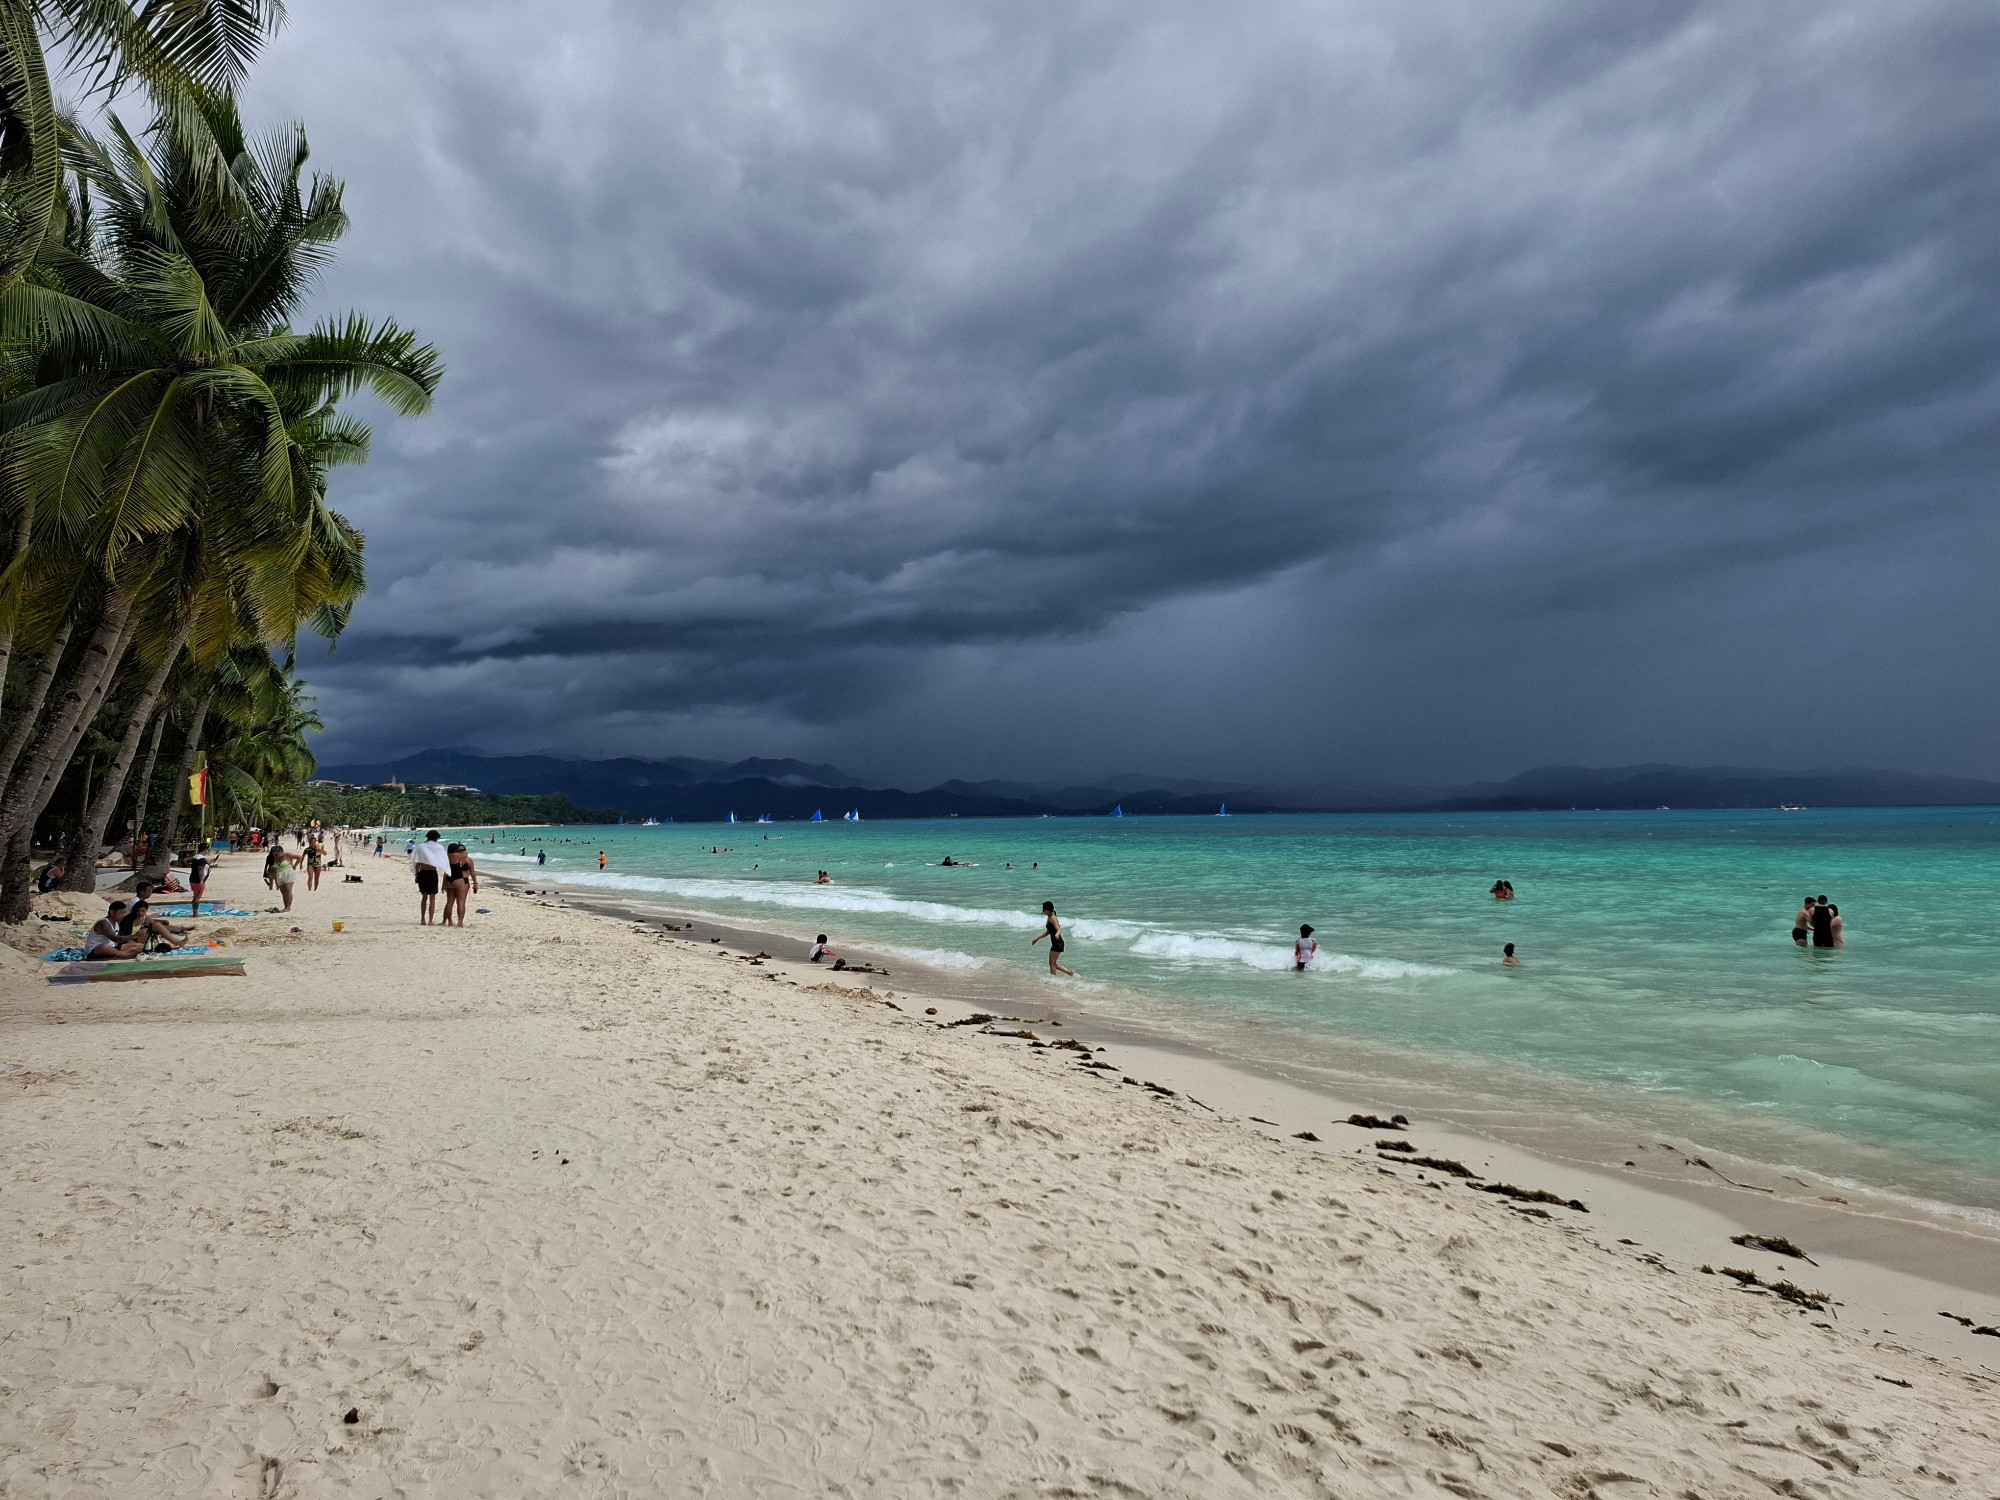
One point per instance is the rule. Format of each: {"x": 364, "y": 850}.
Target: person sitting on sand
{"x": 139, "y": 922}
{"x": 1305, "y": 950}
{"x": 820, "y": 950}
{"x": 1802, "y": 921}
{"x": 142, "y": 895}
{"x": 1507, "y": 955}
{"x": 1052, "y": 930}
{"x": 104, "y": 941}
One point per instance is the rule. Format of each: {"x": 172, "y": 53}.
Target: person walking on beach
{"x": 315, "y": 862}
{"x": 1052, "y": 930}
{"x": 1305, "y": 950}
{"x": 1802, "y": 921}
{"x": 198, "y": 868}
{"x": 461, "y": 878}
{"x": 283, "y": 875}
{"x": 431, "y": 863}
{"x": 1822, "y": 924}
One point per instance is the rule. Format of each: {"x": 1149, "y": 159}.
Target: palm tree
{"x": 178, "y": 415}
{"x": 171, "y": 47}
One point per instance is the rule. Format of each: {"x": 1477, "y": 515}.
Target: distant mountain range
{"x": 691, "y": 790}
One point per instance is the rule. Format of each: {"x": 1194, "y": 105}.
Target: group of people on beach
{"x": 129, "y": 928}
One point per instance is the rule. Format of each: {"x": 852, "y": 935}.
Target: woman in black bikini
{"x": 1822, "y": 924}
{"x": 462, "y": 879}
{"x": 1052, "y": 930}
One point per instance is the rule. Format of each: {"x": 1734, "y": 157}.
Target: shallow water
{"x": 1659, "y": 983}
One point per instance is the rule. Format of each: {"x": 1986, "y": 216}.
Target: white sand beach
{"x": 552, "y": 1207}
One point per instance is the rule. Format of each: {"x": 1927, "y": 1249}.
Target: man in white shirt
{"x": 431, "y": 864}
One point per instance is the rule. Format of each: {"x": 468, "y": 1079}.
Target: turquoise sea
{"x": 1659, "y": 989}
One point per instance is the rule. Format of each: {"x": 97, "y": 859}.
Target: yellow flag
{"x": 198, "y": 787}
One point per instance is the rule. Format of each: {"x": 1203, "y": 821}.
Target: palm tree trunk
{"x": 70, "y": 718}
{"x": 143, "y": 795}
{"x": 101, "y": 672}
{"x": 164, "y": 856}
{"x": 31, "y": 711}
{"x": 82, "y": 874}
{"x": 10, "y": 601}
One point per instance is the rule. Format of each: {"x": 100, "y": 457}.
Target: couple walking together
{"x": 451, "y": 868}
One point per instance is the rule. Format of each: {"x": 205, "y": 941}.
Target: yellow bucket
{"x": 340, "y": 927}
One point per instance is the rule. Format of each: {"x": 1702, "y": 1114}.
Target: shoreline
{"x": 1880, "y": 1253}
{"x": 562, "y": 1203}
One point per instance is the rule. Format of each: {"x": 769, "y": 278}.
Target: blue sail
{"x": 1222, "y": 811}
{"x": 732, "y": 817}
{"x": 1118, "y": 811}
{"x": 816, "y": 818}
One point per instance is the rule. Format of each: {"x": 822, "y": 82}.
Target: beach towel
{"x": 146, "y": 968}
{"x": 208, "y": 909}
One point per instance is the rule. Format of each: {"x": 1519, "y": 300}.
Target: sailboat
{"x": 1222, "y": 811}
{"x": 816, "y": 817}
{"x": 1118, "y": 811}
{"x": 764, "y": 818}
{"x": 731, "y": 818}
{"x": 851, "y": 817}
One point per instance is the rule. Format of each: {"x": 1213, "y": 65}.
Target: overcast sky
{"x": 1306, "y": 390}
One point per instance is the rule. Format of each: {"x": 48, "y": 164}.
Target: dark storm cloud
{"x": 808, "y": 361}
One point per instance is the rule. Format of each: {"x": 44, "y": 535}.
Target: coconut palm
{"x": 177, "y": 416}
{"x": 170, "y": 47}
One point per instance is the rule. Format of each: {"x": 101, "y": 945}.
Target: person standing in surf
{"x": 1052, "y": 930}
{"x": 1304, "y": 950}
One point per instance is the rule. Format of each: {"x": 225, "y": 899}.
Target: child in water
{"x": 1304, "y": 950}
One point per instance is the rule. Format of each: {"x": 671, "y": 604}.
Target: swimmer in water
{"x": 1507, "y": 955}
